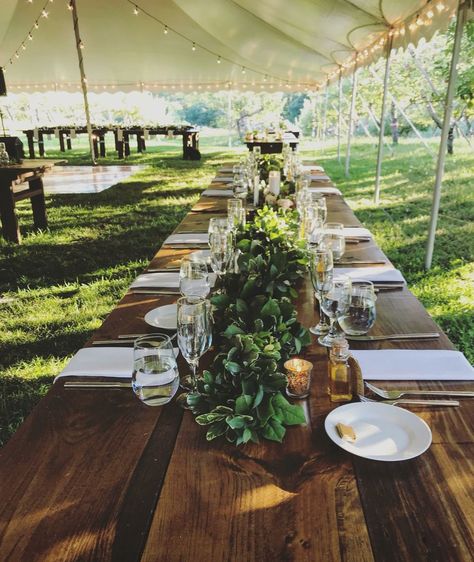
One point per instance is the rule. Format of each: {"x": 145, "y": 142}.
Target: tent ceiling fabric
{"x": 270, "y": 43}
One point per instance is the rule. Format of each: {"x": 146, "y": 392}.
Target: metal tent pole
{"x": 339, "y": 116}
{"x": 382, "y": 121}
{"x": 448, "y": 110}
{"x": 79, "y": 47}
{"x": 229, "y": 117}
{"x": 351, "y": 120}
{"x": 326, "y": 96}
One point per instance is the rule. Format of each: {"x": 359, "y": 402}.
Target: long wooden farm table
{"x": 96, "y": 475}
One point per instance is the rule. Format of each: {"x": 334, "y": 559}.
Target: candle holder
{"x": 298, "y": 372}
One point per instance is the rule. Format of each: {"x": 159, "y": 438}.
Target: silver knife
{"x": 128, "y": 342}
{"x": 97, "y": 384}
{"x": 154, "y": 291}
{"x": 164, "y": 270}
{"x": 421, "y": 336}
{"x": 360, "y": 262}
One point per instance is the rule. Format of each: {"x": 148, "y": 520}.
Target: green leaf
{"x": 215, "y": 430}
{"x": 287, "y": 413}
{"x": 258, "y": 397}
{"x": 206, "y": 419}
{"x": 243, "y": 404}
{"x": 232, "y": 330}
{"x": 238, "y": 422}
{"x": 232, "y": 367}
{"x": 270, "y": 308}
{"x": 247, "y": 435}
{"x": 274, "y": 430}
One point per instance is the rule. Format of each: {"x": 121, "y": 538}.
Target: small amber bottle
{"x": 340, "y": 380}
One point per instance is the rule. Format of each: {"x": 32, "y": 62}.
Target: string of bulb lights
{"x": 423, "y": 17}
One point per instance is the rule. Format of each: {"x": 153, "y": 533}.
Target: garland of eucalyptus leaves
{"x": 256, "y": 330}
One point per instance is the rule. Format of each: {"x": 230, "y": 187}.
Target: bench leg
{"x": 38, "y": 205}
{"x": 31, "y": 144}
{"x": 10, "y": 227}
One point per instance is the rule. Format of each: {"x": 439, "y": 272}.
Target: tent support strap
{"x": 382, "y": 121}
{"x": 339, "y": 116}
{"x": 448, "y": 110}
{"x": 351, "y": 121}
{"x": 75, "y": 21}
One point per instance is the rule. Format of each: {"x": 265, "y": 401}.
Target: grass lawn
{"x": 57, "y": 287}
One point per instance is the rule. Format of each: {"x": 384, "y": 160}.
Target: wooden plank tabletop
{"x": 97, "y": 475}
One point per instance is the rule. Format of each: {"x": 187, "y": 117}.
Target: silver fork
{"x": 394, "y": 394}
{"x": 411, "y": 402}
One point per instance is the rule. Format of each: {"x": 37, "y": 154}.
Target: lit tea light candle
{"x": 298, "y": 372}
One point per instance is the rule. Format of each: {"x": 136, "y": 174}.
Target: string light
{"x": 81, "y": 44}
{"x": 243, "y": 71}
{"x": 193, "y": 48}
{"x": 44, "y": 14}
{"x": 219, "y": 59}
{"x": 70, "y": 7}
{"x": 165, "y": 30}
{"x": 30, "y": 37}
{"x": 136, "y": 11}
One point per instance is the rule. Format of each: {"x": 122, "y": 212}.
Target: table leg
{"x": 139, "y": 143}
{"x": 10, "y": 229}
{"x": 95, "y": 145}
{"x": 31, "y": 143}
{"x": 41, "y": 143}
{"x": 68, "y": 143}
{"x": 61, "y": 142}
{"x": 102, "y": 145}
{"x": 126, "y": 142}
{"x": 38, "y": 204}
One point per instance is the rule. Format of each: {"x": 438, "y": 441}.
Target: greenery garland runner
{"x": 256, "y": 330}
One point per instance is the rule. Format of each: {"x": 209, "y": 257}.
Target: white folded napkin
{"x": 317, "y": 177}
{"x": 168, "y": 280}
{"x": 376, "y": 274}
{"x": 218, "y": 193}
{"x": 101, "y": 362}
{"x": 188, "y": 238}
{"x": 224, "y": 179}
{"x": 325, "y": 190}
{"x": 410, "y": 364}
{"x": 225, "y": 169}
{"x": 356, "y": 231}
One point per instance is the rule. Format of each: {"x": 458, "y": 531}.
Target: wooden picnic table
{"x": 97, "y": 475}
{"x": 122, "y": 135}
{"x": 18, "y": 182}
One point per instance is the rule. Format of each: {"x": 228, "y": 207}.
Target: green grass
{"x": 57, "y": 287}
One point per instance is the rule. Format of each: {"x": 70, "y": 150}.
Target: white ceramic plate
{"x": 384, "y": 432}
{"x": 163, "y": 317}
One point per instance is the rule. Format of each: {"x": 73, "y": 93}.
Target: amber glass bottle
{"x": 340, "y": 383}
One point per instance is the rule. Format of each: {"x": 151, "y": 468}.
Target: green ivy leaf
{"x": 216, "y": 429}
{"x": 243, "y": 404}
{"x": 238, "y": 422}
{"x": 270, "y": 308}
{"x": 287, "y": 413}
{"x": 274, "y": 430}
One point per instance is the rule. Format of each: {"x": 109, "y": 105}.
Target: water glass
{"x": 361, "y": 314}
{"x": 319, "y": 201}
{"x": 194, "y": 278}
{"x": 222, "y": 251}
{"x": 194, "y": 336}
{"x": 217, "y": 224}
{"x": 321, "y": 270}
{"x": 155, "y": 377}
{"x": 334, "y": 239}
{"x": 335, "y": 302}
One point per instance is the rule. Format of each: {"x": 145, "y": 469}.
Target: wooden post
{"x": 75, "y": 22}
{"x": 382, "y": 121}
{"x": 339, "y": 115}
{"x": 448, "y": 109}
{"x": 351, "y": 120}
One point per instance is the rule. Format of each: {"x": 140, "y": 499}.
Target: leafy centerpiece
{"x": 256, "y": 330}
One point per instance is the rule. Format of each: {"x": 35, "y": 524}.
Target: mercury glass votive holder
{"x": 298, "y": 372}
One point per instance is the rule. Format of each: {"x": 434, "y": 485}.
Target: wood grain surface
{"x": 96, "y": 475}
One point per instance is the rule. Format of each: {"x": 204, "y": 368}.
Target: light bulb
{"x": 193, "y": 48}
{"x": 136, "y": 10}
{"x": 219, "y": 60}
{"x": 165, "y": 30}
{"x": 30, "y": 37}
{"x": 44, "y": 14}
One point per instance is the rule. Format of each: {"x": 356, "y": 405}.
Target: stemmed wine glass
{"x": 222, "y": 251}
{"x": 321, "y": 270}
{"x": 194, "y": 280}
{"x": 335, "y": 302}
{"x": 361, "y": 313}
{"x": 194, "y": 338}
{"x": 334, "y": 239}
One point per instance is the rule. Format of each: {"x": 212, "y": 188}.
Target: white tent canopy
{"x": 296, "y": 44}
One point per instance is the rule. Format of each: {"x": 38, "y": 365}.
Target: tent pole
{"x": 75, "y": 21}
{"x": 339, "y": 116}
{"x": 229, "y": 116}
{"x": 382, "y": 121}
{"x": 326, "y": 95}
{"x": 448, "y": 110}
{"x": 351, "y": 121}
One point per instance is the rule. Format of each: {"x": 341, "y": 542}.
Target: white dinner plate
{"x": 163, "y": 317}
{"x": 383, "y": 432}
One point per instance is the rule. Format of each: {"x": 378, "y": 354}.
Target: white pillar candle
{"x": 256, "y": 189}
{"x": 274, "y": 182}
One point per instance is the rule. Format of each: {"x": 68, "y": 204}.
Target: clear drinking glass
{"x": 234, "y": 213}
{"x": 361, "y": 314}
{"x": 217, "y": 224}
{"x": 312, "y": 226}
{"x": 155, "y": 377}
{"x": 318, "y": 200}
{"x": 334, "y": 239}
{"x": 194, "y": 337}
{"x": 321, "y": 270}
{"x": 222, "y": 251}
{"x": 194, "y": 278}
{"x": 335, "y": 302}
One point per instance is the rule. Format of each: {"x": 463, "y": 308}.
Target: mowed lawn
{"x": 57, "y": 287}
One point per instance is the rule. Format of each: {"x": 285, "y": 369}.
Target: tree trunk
{"x": 439, "y": 123}
{"x": 394, "y": 124}
{"x": 450, "y": 141}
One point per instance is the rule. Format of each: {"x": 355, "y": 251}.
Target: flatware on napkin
{"x": 380, "y": 275}
{"x": 97, "y": 384}
{"x": 413, "y": 364}
{"x": 361, "y": 262}
{"x": 188, "y": 238}
{"x": 421, "y": 336}
{"x": 154, "y": 291}
{"x": 218, "y": 193}
{"x": 395, "y": 394}
{"x": 412, "y": 402}
{"x": 115, "y": 362}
